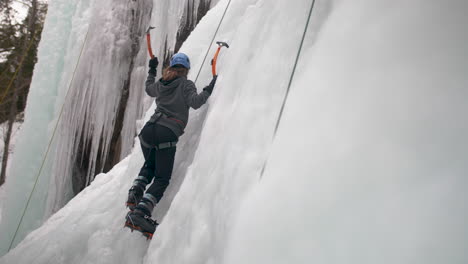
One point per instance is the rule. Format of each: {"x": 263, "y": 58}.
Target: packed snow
{"x": 368, "y": 166}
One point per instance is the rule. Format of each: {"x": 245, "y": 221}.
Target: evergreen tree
{"x": 18, "y": 50}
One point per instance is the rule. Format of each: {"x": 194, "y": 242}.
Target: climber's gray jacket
{"x": 173, "y": 100}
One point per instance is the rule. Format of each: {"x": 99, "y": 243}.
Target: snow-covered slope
{"x": 369, "y": 164}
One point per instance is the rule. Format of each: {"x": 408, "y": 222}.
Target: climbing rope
{"x": 51, "y": 140}
{"x": 212, "y": 41}
{"x": 290, "y": 79}
{"x": 294, "y": 68}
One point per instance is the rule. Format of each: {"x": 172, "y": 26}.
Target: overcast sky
{"x": 22, "y": 9}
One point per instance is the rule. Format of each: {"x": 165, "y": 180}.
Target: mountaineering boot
{"x": 139, "y": 185}
{"x": 141, "y": 221}
{"x": 140, "y": 218}
{"x": 134, "y": 196}
{"x": 147, "y": 203}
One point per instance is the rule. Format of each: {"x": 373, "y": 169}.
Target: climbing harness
{"x": 215, "y": 58}
{"x": 163, "y": 145}
{"x": 160, "y": 114}
{"x": 160, "y": 146}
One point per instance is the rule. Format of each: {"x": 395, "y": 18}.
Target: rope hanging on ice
{"x": 50, "y": 142}
{"x": 290, "y": 80}
{"x": 212, "y": 40}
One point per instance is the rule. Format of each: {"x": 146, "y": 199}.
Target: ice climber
{"x": 175, "y": 94}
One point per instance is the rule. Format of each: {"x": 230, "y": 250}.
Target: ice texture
{"x": 91, "y": 63}
{"x": 370, "y": 161}
{"x": 41, "y": 110}
{"x": 368, "y": 166}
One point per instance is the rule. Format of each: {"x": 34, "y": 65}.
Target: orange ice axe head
{"x": 213, "y": 61}
{"x": 148, "y": 41}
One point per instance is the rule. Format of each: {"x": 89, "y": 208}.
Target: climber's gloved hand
{"x": 211, "y": 86}
{"x": 153, "y": 64}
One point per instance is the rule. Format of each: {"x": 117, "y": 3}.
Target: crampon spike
{"x": 148, "y": 235}
{"x": 131, "y": 206}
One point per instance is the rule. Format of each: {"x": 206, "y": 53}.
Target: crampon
{"x": 148, "y": 235}
{"x": 136, "y": 220}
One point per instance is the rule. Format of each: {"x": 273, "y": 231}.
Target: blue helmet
{"x": 181, "y": 59}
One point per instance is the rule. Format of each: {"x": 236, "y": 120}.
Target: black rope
{"x": 294, "y": 69}
{"x": 291, "y": 79}
{"x": 211, "y": 43}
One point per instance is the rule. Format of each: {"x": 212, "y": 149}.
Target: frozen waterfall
{"x": 86, "y": 96}
{"x": 369, "y": 163}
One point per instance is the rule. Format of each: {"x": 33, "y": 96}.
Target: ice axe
{"x": 213, "y": 61}
{"x": 148, "y": 41}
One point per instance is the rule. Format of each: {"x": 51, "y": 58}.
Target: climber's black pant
{"x": 158, "y": 163}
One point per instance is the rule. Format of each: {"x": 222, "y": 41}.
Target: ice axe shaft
{"x": 148, "y": 41}
{"x": 215, "y": 58}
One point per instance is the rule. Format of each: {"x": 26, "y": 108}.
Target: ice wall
{"x": 368, "y": 165}
{"x": 215, "y": 164}
{"x": 99, "y": 94}
{"x": 100, "y": 122}
{"x": 91, "y": 71}
{"x": 377, "y": 170}
{"x": 54, "y": 61}
{"x": 254, "y": 72}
